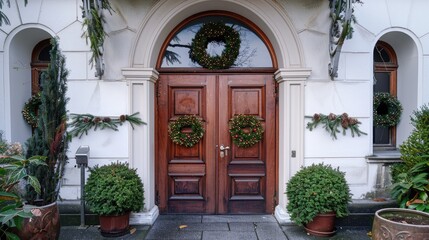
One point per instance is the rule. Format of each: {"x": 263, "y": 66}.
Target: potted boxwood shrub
{"x": 317, "y": 194}
{"x": 113, "y": 191}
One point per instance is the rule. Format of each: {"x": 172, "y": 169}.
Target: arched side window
{"x": 385, "y": 80}
{"x": 39, "y": 61}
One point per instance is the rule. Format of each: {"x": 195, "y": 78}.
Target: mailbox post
{"x": 82, "y": 156}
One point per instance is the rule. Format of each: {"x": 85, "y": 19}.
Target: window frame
{"x": 392, "y": 68}
{"x": 37, "y": 65}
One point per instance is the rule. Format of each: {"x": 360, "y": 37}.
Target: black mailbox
{"x": 82, "y": 155}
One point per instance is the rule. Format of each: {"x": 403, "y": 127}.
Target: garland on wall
{"x": 245, "y": 130}
{"x": 82, "y": 123}
{"x": 31, "y": 107}
{"x": 220, "y": 33}
{"x": 186, "y": 138}
{"x": 332, "y": 122}
{"x": 387, "y": 110}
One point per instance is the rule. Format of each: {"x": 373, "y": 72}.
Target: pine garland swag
{"x": 187, "y": 139}
{"x": 387, "y": 110}
{"x": 82, "y": 123}
{"x": 215, "y": 32}
{"x": 30, "y": 110}
{"x": 245, "y": 130}
{"x": 332, "y": 122}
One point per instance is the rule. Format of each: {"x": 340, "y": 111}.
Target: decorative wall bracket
{"x": 341, "y": 29}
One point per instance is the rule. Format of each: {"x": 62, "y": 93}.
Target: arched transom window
{"x": 196, "y": 38}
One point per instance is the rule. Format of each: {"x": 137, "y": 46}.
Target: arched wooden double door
{"x": 204, "y": 178}
{"x": 200, "y": 179}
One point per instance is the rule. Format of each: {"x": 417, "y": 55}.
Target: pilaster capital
{"x": 292, "y": 74}
{"x": 140, "y": 74}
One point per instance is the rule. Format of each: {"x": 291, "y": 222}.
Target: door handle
{"x": 223, "y": 150}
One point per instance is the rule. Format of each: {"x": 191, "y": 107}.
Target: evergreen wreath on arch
{"x": 215, "y": 32}
{"x": 387, "y": 110}
{"x": 245, "y": 130}
{"x": 31, "y": 107}
{"x": 185, "y": 138}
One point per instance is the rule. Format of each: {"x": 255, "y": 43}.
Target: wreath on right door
{"x": 245, "y": 130}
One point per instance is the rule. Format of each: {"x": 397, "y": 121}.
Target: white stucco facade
{"x": 299, "y": 33}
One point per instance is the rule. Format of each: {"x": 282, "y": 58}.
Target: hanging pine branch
{"x": 3, "y": 17}
{"x": 93, "y": 21}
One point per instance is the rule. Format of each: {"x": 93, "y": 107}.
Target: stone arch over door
{"x": 291, "y": 76}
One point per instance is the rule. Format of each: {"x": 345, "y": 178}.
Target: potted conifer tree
{"x": 317, "y": 194}
{"x": 113, "y": 191}
{"x": 48, "y": 140}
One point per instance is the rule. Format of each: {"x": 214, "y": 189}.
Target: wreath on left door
{"x": 29, "y": 112}
{"x": 178, "y": 135}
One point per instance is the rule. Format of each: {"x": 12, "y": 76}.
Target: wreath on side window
{"x": 185, "y": 138}
{"x": 31, "y": 107}
{"x": 215, "y": 32}
{"x": 387, "y": 110}
{"x": 245, "y": 130}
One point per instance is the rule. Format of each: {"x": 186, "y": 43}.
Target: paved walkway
{"x": 216, "y": 227}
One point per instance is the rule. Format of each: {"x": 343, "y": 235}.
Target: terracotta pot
{"x": 399, "y": 223}
{"x": 322, "y": 225}
{"x": 115, "y": 226}
{"x": 45, "y": 223}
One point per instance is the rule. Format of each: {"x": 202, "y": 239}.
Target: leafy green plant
{"x": 14, "y": 169}
{"x": 412, "y": 188}
{"x": 315, "y": 189}
{"x": 416, "y": 145}
{"x": 114, "y": 189}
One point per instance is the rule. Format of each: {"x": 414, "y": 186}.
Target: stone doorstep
{"x": 361, "y": 213}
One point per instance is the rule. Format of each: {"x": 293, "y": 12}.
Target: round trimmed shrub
{"x": 114, "y": 189}
{"x": 317, "y": 189}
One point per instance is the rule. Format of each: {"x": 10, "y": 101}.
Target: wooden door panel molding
{"x": 186, "y": 188}
{"x": 247, "y": 188}
{"x": 187, "y": 101}
{"x": 181, "y": 154}
{"x": 247, "y": 101}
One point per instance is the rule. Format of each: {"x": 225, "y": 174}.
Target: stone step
{"x": 361, "y": 213}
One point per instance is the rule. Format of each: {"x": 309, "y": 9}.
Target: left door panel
{"x": 186, "y": 175}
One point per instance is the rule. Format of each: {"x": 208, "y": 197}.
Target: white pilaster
{"x": 291, "y": 130}
{"x": 141, "y": 82}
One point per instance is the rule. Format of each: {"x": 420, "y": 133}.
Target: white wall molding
{"x": 291, "y": 129}
{"x": 142, "y": 139}
{"x": 145, "y": 218}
